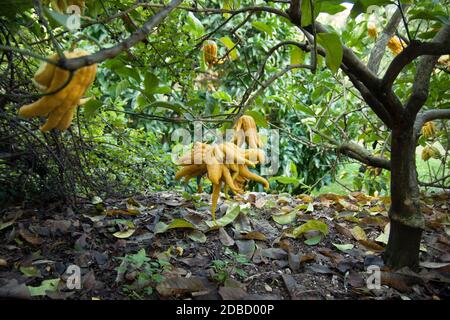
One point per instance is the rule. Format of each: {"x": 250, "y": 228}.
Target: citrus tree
{"x": 364, "y": 77}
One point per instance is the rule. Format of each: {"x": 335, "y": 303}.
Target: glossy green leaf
{"x": 344, "y": 247}
{"x": 197, "y": 236}
{"x": 151, "y": 82}
{"x": 297, "y": 55}
{"x": 263, "y": 27}
{"x": 231, "y": 214}
{"x": 230, "y": 46}
{"x": 285, "y": 218}
{"x": 333, "y": 49}
{"x": 310, "y": 226}
{"x": 313, "y": 241}
{"x": 46, "y": 285}
{"x": 91, "y": 107}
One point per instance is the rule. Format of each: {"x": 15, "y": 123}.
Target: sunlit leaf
{"x": 310, "y": 226}
{"x": 263, "y": 27}
{"x": 124, "y": 234}
{"x": 197, "y": 236}
{"x": 230, "y": 46}
{"x": 230, "y": 215}
{"x": 331, "y": 42}
{"x": 313, "y": 241}
{"x": 46, "y": 285}
{"x": 358, "y": 233}
{"x": 344, "y": 247}
{"x": 285, "y": 218}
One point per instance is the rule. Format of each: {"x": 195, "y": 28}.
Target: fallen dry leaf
{"x": 30, "y": 237}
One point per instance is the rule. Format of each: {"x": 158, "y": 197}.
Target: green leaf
{"x": 230, "y": 46}
{"x": 261, "y": 26}
{"x": 121, "y": 86}
{"x": 313, "y": 241}
{"x": 91, "y": 107}
{"x": 222, "y": 95}
{"x": 163, "y": 90}
{"x": 231, "y": 214}
{"x": 162, "y": 227}
{"x": 333, "y": 48}
{"x": 310, "y": 226}
{"x": 46, "y": 285}
{"x": 304, "y": 109}
{"x": 11, "y": 7}
{"x": 197, "y": 236}
{"x": 124, "y": 234}
{"x": 180, "y": 223}
{"x": 344, "y": 247}
{"x": 285, "y": 180}
{"x": 285, "y": 218}
{"x": 306, "y": 13}
{"x": 151, "y": 82}
{"x": 260, "y": 120}
{"x": 330, "y": 6}
{"x": 30, "y": 271}
{"x": 194, "y": 26}
{"x": 297, "y": 55}
{"x": 5, "y": 225}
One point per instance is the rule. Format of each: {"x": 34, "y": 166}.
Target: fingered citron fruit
{"x": 63, "y": 91}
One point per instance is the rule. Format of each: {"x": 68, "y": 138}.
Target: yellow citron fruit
{"x": 210, "y": 53}
{"x": 372, "y": 31}
{"x": 62, "y": 98}
{"x": 245, "y": 131}
{"x": 430, "y": 152}
{"x": 224, "y": 164}
{"x": 396, "y": 45}
{"x": 429, "y": 129}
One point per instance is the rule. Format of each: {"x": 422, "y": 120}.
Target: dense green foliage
{"x": 121, "y": 139}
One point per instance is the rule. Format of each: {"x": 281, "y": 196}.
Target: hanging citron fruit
{"x": 372, "y": 31}
{"x": 63, "y": 91}
{"x": 396, "y": 45}
{"x": 210, "y": 52}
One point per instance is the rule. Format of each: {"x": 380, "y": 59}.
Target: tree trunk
{"x": 407, "y": 222}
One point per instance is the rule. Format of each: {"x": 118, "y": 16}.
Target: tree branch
{"x": 411, "y": 52}
{"x": 430, "y": 115}
{"x": 380, "y": 46}
{"x": 245, "y": 104}
{"x": 371, "y": 100}
{"x": 422, "y": 78}
{"x": 302, "y": 46}
{"x": 357, "y": 152}
{"x": 136, "y": 37}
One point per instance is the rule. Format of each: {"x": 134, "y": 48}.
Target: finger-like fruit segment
{"x": 214, "y": 199}
{"x": 210, "y": 52}
{"x": 63, "y": 92}
{"x": 244, "y": 172}
{"x": 189, "y": 170}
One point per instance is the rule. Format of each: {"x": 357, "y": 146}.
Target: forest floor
{"x": 165, "y": 246}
